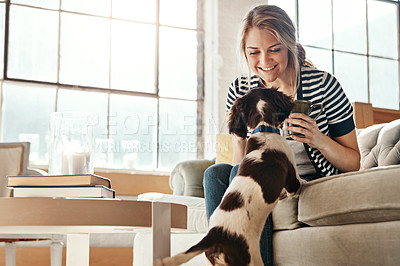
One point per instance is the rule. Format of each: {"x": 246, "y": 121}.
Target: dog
{"x": 266, "y": 173}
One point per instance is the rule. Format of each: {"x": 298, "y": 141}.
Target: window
{"x": 356, "y": 40}
{"x": 136, "y": 65}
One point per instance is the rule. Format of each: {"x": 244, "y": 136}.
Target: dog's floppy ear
{"x": 283, "y": 105}
{"x": 237, "y": 118}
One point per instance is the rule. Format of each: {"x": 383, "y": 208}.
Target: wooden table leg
{"x": 161, "y": 230}
{"x": 77, "y": 250}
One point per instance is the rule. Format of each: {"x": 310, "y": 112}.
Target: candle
{"x": 75, "y": 162}
{"x": 129, "y": 160}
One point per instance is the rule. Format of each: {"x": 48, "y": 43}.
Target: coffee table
{"x": 78, "y": 218}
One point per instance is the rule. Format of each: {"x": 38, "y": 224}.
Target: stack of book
{"x": 71, "y": 186}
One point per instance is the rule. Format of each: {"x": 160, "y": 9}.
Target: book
{"x": 58, "y": 180}
{"x": 64, "y": 192}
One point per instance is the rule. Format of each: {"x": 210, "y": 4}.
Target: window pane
{"x": 322, "y": 59}
{"x": 351, "y": 71}
{"x": 2, "y": 9}
{"x": 52, "y": 4}
{"x": 74, "y": 100}
{"x": 383, "y": 29}
{"x": 384, "y": 83}
{"x": 288, "y": 5}
{"x": 349, "y": 25}
{"x": 85, "y": 49}
{"x": 315, "y": 27}
{"x": 178, "y": 132}
{"x": 180, "y": 13}
{"x": 39, "y": 29}
{"x": 133, "y": 128}
{"x": 93, "y": 7}
{"x": 137, "y": 10}
{"x": 133, "y": 56}
{"x": 28, "y": 120}
{"x": 178, "y": 63}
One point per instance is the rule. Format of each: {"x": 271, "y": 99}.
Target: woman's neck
{"x": 289, "y": 91}
{"x": 282, "y": 86}
{"x": 285, "y": 84}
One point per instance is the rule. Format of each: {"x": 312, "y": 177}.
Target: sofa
{"x": 347, "y": 219}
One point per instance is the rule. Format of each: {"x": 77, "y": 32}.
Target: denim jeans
{"x": 216, "y": 180}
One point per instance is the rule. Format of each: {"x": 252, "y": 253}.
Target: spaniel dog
{"x": 266, "y": 171}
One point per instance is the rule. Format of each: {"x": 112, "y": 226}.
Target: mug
{"x": 305, "y": 107}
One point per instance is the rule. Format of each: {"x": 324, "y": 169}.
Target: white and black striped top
{"x": 318, "y": 87}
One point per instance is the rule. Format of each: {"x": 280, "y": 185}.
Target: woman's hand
{"x": 308, "y": 127}
{"x": 341, "y": 151}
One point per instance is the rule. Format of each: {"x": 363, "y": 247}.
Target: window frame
{"x": 367, "y": 54}
{"x": 200, "y": 33}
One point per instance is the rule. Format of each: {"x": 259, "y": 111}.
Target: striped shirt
{"x": 317, "y": 86}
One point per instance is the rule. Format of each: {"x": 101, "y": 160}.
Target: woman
{"x": 269, "y": 45}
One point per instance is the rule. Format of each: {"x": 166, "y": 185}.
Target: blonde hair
{"x": 276, "y": 21}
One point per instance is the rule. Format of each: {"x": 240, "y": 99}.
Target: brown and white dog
{"x": 266, "y": 171}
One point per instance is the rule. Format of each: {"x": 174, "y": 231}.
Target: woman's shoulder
{"x": 243, "y": 80}
{"x": 240, "y": 86}
{"x": 244, "y": 83}
{"x": 311, "y": 72}
{"x": 313, "y": 77}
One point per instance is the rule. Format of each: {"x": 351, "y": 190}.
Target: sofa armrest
{"x": 187, "y": 177}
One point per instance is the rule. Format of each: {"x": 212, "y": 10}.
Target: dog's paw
{"x": 297, "y": 193}
{"x": 292, "y": 195}
{"x": 283, "y": 195}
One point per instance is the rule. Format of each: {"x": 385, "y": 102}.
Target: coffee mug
{"x": 305, "y": 107}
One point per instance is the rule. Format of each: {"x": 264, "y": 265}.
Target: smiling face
{"x": 267, "y": 57}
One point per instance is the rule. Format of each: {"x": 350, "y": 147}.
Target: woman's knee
{"x": 233, "y": 172}
{"x": 217, "y": 173}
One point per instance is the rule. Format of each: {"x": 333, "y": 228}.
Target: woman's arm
{"x": 341, "y": 151}
{"x": 350, "y": 161}
{"x": 239, "y": 146}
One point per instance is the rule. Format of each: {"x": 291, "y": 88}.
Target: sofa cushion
{"x": 196, "y": 218}
{"x": 224, "y": 148}
{"x": 368, "y": 244}
{"x": 357, "y": 197}
{"x": 284, "y": 215}
{"x": 380, "y": 145}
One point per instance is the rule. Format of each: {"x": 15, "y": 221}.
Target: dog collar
{"x": 263, "y": 128}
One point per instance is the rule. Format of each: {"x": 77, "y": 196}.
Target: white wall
{"x": 223, "y": 20}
